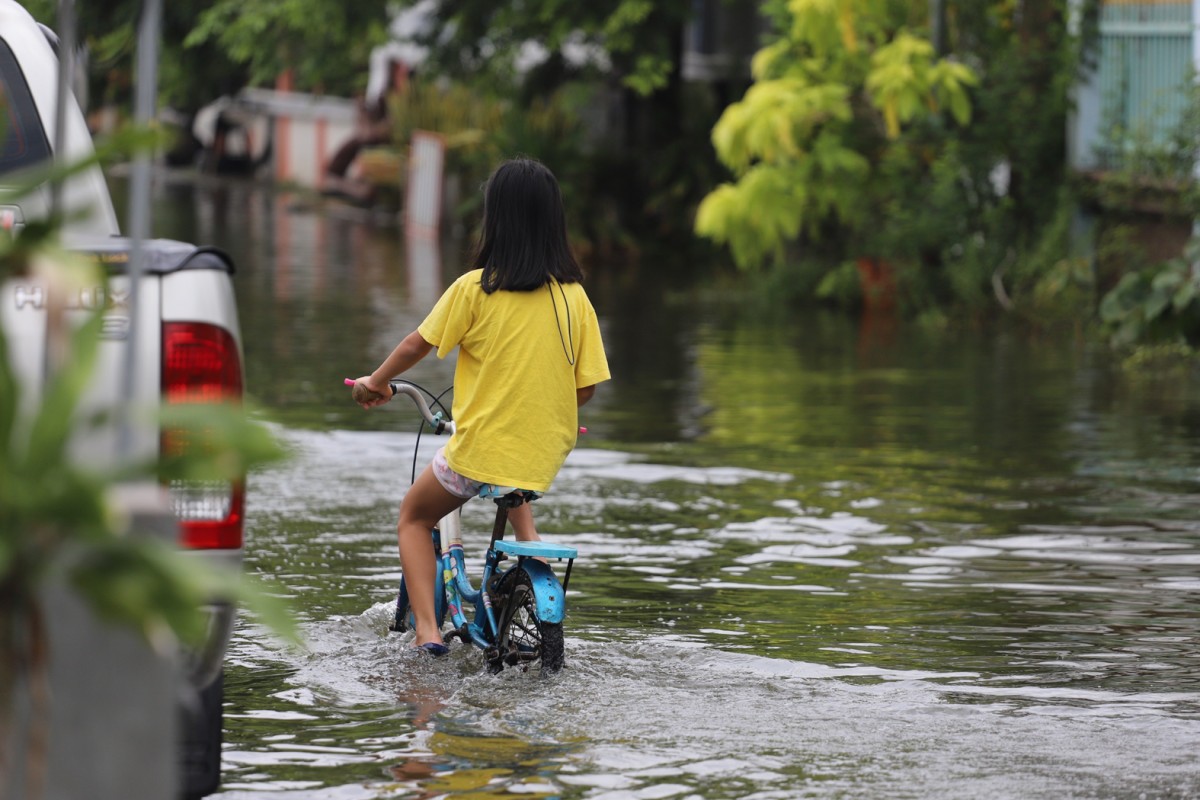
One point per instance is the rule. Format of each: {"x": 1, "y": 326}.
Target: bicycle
{"x": 519, "y": 610}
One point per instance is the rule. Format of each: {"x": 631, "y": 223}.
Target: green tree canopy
{"x": 861, "y": 138}
{"x": 640, "y": 38}
{"x": 212, "y": 48}
{"x": 831, "y": 99}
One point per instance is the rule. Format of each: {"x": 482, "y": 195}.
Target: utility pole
{"x": 145, "y": 97}
{"x": 66, "y": 73}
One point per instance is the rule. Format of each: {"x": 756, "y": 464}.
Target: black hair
{"x": 524, "y": 241}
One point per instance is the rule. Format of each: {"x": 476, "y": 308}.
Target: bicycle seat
{"x": 535, "y": 549}
{"x": 507, "y": 496}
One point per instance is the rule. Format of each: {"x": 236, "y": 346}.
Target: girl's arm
{"x": 582, "y": 395}
{"x": 411, "y": 350}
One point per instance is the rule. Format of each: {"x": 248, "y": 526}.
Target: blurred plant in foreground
{"x": 60, "y": 523}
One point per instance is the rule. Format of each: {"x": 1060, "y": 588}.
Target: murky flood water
{"x": 817, "y": 559}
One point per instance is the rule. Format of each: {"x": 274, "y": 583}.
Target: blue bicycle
{"x": 518, "y": 609}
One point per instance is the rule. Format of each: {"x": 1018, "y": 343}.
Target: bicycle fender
{"x": 547, "y": 591}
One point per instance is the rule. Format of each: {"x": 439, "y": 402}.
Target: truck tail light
{"x": 202, "y": 364}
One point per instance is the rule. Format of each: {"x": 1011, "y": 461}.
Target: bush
{"x": 1158, "y": 304}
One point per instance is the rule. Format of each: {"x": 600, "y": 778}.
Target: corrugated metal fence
{"x": 1144, "y": 76}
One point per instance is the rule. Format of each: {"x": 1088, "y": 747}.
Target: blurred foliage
{"x": 481, "y": 128}
{"x": 634, "y": 40}
{"x": 650, "y": 174}
{"x": 655, "y": 163}
{"x": 60, "y": 521}
{"x": 1062, "y": 284}
{"x": 326, "y": 44}
{"x": 858, "y": 138}
{"x": 209, "y": 49}
{"x": 816, "y": 141}
{"x": 1166, "y": 367}
{"x": 1153, "y": 306}
{"x": 1157, "y": 305}
{"x": 466, "y": 119}
{"x": 1149, "y": 168}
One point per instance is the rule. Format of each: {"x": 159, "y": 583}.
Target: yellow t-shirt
{"x": 515, "y": 409}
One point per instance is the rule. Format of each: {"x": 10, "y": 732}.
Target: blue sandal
{"x": 434, "y": 649}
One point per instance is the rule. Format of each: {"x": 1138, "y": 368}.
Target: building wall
{"x": 1141, "y": 82}
{"x": 305, "y": 130}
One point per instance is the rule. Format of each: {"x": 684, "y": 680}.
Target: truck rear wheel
{"x": 200, "y": 737}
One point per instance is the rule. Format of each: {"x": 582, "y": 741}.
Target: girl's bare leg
{"x": 521, "y": 518}
{"x": 421, "y": 510}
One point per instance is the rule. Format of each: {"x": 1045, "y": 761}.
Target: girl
{"x": 529, "y": 354}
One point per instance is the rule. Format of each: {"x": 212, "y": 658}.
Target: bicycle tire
{"x": 524, "y": 639}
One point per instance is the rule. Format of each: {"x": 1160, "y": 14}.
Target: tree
{"x": 325, "y": 43}
{"x": 636, "y": 44}
{"x": 822, "y": 139}
{"x": 854, "y": 141}
{"x": 209, "y": 49}
{"x": 639, "y": 39}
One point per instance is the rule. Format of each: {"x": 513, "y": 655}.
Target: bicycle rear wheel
{"x": 524, "y": 640}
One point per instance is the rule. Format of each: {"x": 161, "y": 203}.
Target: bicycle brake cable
{"x": 435, "y": 400}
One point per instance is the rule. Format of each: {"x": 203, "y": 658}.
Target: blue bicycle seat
{"x": 536, "y": 549}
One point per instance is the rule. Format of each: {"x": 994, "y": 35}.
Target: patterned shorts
{"x": 464, "y": 487}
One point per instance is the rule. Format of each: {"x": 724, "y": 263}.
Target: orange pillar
{"x": 283, "y": 133}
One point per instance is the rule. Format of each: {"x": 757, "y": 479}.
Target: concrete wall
{"x": 305, "y": 130}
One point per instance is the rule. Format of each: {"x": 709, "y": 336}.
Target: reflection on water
{"x": 816, "y": 560}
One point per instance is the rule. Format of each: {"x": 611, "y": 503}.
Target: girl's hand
{"x": 369, "y": 393}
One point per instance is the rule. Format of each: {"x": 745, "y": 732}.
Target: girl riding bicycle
{"x": 529, "y": 354}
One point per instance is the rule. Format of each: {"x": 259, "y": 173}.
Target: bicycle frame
{"x": 458, "y": 588}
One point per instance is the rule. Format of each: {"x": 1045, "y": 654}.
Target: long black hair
{"x": 524, "y": 240}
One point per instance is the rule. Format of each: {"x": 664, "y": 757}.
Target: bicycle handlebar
{"x": 435, "y": 421}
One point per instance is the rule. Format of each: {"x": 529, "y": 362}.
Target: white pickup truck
{"x": 187, "y": 348}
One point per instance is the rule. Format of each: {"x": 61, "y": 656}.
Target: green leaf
{"x": 53, "y": 424}
{"x": 9, "y": 398}
{"x": 960, "y": 107}
{"x": 149, "y": 585}
{"x": 1156, "y": 303}
{"x": 271, "y": 610}
{"x": 225, "y": 442}
{"x": 1184, "y": 296}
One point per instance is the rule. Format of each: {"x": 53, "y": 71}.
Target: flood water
{"x": 817, "y": 559}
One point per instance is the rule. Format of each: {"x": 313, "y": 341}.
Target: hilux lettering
{"x": 86, "y": 299}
